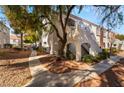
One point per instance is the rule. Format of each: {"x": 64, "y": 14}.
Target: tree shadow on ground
{"x": 48, "y": 59}
{"x": 8, "y": 54}
{"x": 111, "y": 78}
{"x": 15, "y": 66}
{"x": 48, "y": 79}
{"x": 22, "y": 64}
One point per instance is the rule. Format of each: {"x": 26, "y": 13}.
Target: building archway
{"x": 71, "y": 51}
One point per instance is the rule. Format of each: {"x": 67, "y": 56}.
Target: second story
{"x": 102, "y": 35}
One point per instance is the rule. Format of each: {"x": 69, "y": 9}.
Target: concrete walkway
{"x": 105, "y": 64}
{"x": 43, "y": 78}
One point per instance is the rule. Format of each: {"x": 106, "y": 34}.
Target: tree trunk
{"x": 21, "y": 40}
{"x": 40, "y": 45}
{"x": 61, "y": 49}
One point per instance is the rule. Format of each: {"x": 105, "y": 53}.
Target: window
{"x": 81, "y": 25}
{"x": 44, "y": 42}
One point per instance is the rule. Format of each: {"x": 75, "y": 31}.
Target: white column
{"x": 78, "y": 51}
{"x": 51, "y": 46}
{"x": 92, "y": 51}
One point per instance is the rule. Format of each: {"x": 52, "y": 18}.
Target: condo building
{"x": 4, "y": 35}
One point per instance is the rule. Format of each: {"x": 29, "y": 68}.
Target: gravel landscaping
{"x": 14, "y": 68}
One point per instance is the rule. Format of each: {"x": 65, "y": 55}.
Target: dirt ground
{"x": 114, "y": 77}
{"x": 14, "y": 68}
{"x": 56, "y": 65}
{"x": 16, "y": 72}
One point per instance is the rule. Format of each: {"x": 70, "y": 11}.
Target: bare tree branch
{"x": 57, "y": 32}
{"x": 60, "y": 16}
{"x": 111, "y": 11}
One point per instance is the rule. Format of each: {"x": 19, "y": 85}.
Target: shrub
{"x": 106, "y": 50}
{"x": 114, "y": 50}
{"x": 70, "y": 55}
{"x": 97, "y": 58}
{"x": 88, "y": 58}
{"x": 103, "y": 55}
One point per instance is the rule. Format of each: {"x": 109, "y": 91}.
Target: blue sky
{"x": 88, "y": 14}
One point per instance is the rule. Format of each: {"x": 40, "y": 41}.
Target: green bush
{"x": 70, "y": 55}
{"x": 114, "y": 50}
{"x": 97, "y": 58}
{"x": 106, "y": 50}
{"x": 103, "y": 55}
{"x": 88, "y": 58}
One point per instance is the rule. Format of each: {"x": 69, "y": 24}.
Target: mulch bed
{"x": 114, "y": 77}
{"x": 57, "y": 65}
{"x": 41, "y": 53}
{"x": 17, "y": 73}
{"x": 13, "y": 54}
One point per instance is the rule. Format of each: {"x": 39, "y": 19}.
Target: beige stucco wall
{"x": 77, "y": 37}
{"x": 4, "y": 39}
{"x": 4, "y": 35}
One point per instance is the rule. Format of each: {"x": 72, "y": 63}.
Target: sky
{"x": 88, "y": 14}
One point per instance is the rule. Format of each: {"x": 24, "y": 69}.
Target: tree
{"x": 120, "y": 36}
{"x": 111, "y": 15}
{"x": 24, "y": 22}
{"x": 31, "y": 37}
{"x": 30, "y": 17}
{"x": 53, "y": 13}
{"x": 111, "y": 18}
{"x": 18, "y": 18}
